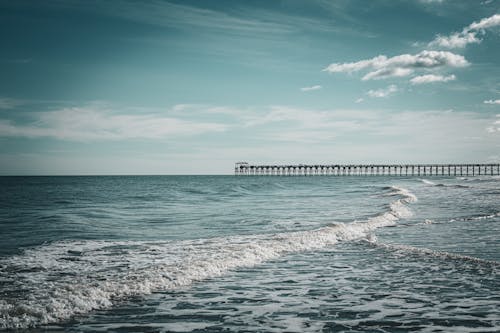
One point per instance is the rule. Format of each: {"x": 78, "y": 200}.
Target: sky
{"x": 191, "y": 87}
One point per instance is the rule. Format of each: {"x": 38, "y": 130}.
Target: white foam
{"x": 485, "y": 217}
{"x": 435, "y": 254}
{"x": 476, "y": 218}
{"x": 428, "y": 182}
{"x": 56, "y": 281}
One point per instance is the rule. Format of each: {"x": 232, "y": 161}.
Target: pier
{"x": 246, "y": 169}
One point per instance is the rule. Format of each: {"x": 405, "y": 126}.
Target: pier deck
{"x": 246, "y": 169}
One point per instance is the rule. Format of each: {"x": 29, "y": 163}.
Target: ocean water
{"x": 249, "y": 254}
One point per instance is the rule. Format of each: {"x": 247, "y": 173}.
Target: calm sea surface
{"x": 252, "y": 254}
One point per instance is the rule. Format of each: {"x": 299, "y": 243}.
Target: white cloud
{"x": 486, "y": 23}
{"x": 429, "y": 78}
{"x": 88, "y": 124}
{"x": 316, "y": 87}
{"x": 468, "y": 35}
{"x": 491, "y": 101}
{"x": 382, "y": 93}
{"x": 359, "y": 100}
{"x": 382, "y": 67}
{"x": 456, "y": 40}
{"x": 385, "y": 73}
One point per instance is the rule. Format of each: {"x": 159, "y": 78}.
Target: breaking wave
{"x": 428, "y": 182}
{"x": 54, "y": 282}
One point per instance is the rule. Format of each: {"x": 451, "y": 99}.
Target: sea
{"x": 249, "y": 254}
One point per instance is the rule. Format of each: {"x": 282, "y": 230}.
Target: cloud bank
{"x": 337, "y": 134}
{"x": 382, "y": 93}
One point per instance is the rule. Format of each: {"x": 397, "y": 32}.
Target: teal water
{"x": 232, "y": 254}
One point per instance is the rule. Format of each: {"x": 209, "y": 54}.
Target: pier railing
{"x": 245, "y": 169}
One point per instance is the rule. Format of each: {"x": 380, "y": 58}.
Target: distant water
{"x": 263, "y": 254}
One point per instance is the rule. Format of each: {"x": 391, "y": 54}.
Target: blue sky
{"x": 190, "y": 87}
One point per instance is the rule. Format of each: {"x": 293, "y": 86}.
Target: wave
{"x": 482, "y": 178}
{"x": 476, "y": 217}
{"x": 54, "y": 282}
{"x": 456, "y": 219}
{"x": 406, "y": 249}
{"x": 428, "y": 182}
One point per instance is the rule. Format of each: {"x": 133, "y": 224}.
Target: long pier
{"x": 246, "y": 169}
